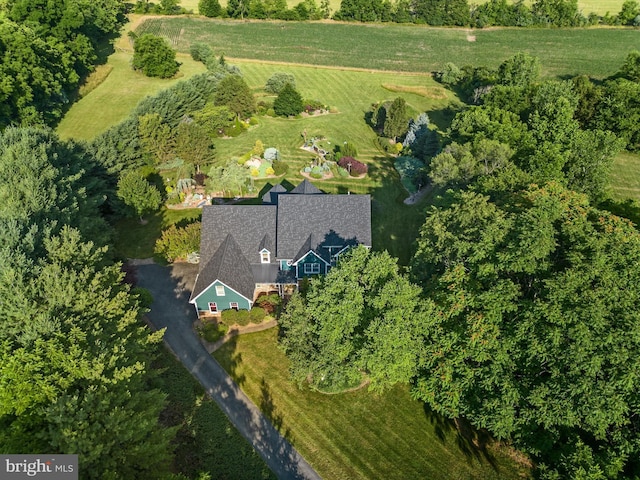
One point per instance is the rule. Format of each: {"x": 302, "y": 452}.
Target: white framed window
{"x": 213, "y": 307}
{"x": 311, "y": 268}
{"x": 233, "y": 305}
{"x": 265, "y": 256}
{"x": 220, "y": 290}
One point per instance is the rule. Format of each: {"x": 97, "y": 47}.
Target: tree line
{"x": 520, "y": 308}
{"x": 540, "y": 13}
{"x": 46, "y": 48}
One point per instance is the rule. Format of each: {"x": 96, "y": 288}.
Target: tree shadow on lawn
{"x": 269, "y": 437}
{"x": 471, "y": 442}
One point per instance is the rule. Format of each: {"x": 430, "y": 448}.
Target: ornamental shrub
{"x": 270, "y": 303}
{"x": 257, "y": 314}
{"x": 357, "y": 168}
{"x": 278, "y": 80}
{"x": 178, "y": 242}
{"x": 213, "y": 332}
{"x": 280, "y": 168}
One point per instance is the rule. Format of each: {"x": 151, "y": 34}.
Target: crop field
{"x": 359, "y": 435}
{"x": 563, "y": 52}
{"x": 625, "y": 177}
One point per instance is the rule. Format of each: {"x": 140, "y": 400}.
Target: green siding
{"x": 284, "y": 267}
{"x": 308, "y": 259}
{"x": 209, "y": 295}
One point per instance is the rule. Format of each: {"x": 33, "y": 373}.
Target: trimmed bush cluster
{"x": 243, "y": 317}
{"x": 178, "y": 242}
{"x": 271, "y": 304}
{"x": 353, "y": 166}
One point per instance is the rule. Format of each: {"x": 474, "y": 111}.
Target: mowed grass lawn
{"x": 625, "y": 176}
{"x": 358, "y": 435}
{"x": 563, "y": 52}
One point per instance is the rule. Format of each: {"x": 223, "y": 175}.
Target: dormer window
{"x": 265, "y": 256}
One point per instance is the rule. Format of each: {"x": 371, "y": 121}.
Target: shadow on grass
{"x": 265, "y": 429}
{"x": 470, "y": 441}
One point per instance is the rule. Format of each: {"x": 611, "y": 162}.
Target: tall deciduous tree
{"x": 363, "y": 317}
{"x": 540, "y": 296}
{"x": 193, "y": 144}
{"x": 154, "y": 57}
{"x": 138, "y": 194}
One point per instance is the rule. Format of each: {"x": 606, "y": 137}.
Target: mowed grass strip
{"x": 563, "y": 52}
{"x": 625, "y": 176}
{"x": 358, "y": 435}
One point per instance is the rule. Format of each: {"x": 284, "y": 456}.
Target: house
{"x": 249, "y": 249}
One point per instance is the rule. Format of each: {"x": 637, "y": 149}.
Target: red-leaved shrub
{"x": 353, "y": 166}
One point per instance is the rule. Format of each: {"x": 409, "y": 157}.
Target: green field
{"x": 563, "y": 52}
{"x": 359, "y": 435}
{"x": 625, "y": 177}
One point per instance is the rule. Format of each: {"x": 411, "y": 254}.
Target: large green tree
{"x": 234, "y": 92}
{"x": 359, "y": 321}
{"x": 537, "y": 341}
{"x": 154, "y": 57}
{"x": 397, "y": 119}
{"x": 138, "y": 194}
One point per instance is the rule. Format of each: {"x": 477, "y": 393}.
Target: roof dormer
{"x": 265, "y": 256}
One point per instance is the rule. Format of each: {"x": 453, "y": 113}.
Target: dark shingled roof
{"x": 322, "y": 220}
{"x": 253, "y": 227}
{"x": 271, "y": 273}
{"x": 306, "y": 188}
{"x": 228, "y": 265}
{"x": 271, "y": 197}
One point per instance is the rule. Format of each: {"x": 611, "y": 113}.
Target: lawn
{"x": 359, "y": 435}
{"x": 206, "y": 440}
{"x": 625, "y": 177}
{"x": 563, "y": 52}
{"x": 136, "y": 240}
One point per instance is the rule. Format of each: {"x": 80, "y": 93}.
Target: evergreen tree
{"x": 138, "y": 194}
{"x": 234, "y": 92}
{"x": 397, "y": 119}
{"x": 289, "y": 102}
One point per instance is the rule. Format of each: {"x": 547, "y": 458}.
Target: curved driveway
{"x": 171, "y": 287}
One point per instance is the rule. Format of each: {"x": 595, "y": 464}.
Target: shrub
{"x": 342, "y": 172}
{"x": 213, "y": 332}
{"x": 270, "y": 112}
{"x": 270, "y": 171}
{"x": 317, "y": 176}
{"x": 257, "y": 314}
{"x": 278, "y": 80}
{"x": 253, "y": 121}
{"x": 280, "y": 168}
{"x": 348, "y": 150}
{"x": 201, "y": 52}
{"x": 271, "y": 154}
{"x": 200, "y": 178}
{"x": 178, "y": 242}
{"x": 235, "y": 317}
{"x": 450, "y": 74}
{"x": 254, "y": 172}
{"x": 270, "y": 303}
{"x": 352, "y": 165}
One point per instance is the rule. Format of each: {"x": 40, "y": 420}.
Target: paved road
{"x": 171, "y": 287}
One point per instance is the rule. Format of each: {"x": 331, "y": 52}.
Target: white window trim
{"x": 265, "y": 256}
{"x": 312, "y": 270}
{"x": 215, "y": 307}
{"x": 220, "y": 290}
{"x": 234, "y": 305}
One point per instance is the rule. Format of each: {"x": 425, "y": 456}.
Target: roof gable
{"x": 306, "y": 188}
{"x": 318, "y": 222}
{"x": 229, "y": 266}
{"x": 271, "y": 196}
